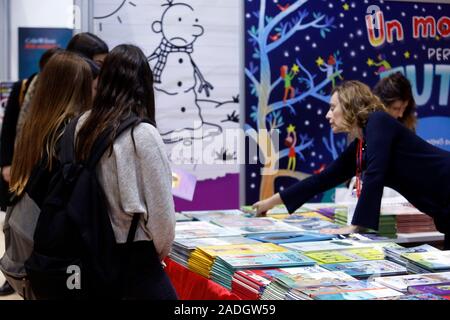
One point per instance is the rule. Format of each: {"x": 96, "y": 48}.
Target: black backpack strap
{"x": 133, "y": 228}
{"x": 67, "y": 145}
{"x": 102, "y": 144}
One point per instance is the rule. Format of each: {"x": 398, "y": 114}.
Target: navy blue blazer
{"x": 394, "y": 157}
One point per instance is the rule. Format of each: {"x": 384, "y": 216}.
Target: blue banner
{"x": 33, "y": 42}
{"x": 296, "y": 52}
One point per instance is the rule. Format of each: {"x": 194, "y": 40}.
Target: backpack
{"x": 67, "y": 249}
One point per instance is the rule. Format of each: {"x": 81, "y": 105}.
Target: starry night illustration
{"x": 296, "y": 52}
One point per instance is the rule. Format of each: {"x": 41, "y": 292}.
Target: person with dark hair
{"x": 385, "y": 153}
{"x": 396, "y": 94}
{"x": 89, "y": 45}
{"x": 135, "y": 174}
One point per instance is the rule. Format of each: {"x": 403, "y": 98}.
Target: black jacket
{"x": 8, "y": 134}
{"x": 395, "y": 157}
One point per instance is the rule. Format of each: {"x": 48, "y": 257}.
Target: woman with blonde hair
{"x": 64, "y": 90}
{"x": 385, "y": 153}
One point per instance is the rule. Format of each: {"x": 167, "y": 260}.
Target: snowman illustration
{"x": 178, "y": 79}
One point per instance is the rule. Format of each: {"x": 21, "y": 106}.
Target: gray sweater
{"x": 139, "y": 182}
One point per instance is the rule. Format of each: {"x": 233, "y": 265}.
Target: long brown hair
{"x": 125, "y": 87}
{"x": 63, "y": 90}
{"x": 357, "y": 102}
{"x": 397, "y": 87}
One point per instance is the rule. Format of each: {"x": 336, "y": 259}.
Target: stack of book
{"x": 326, "y": 245}
{"x": 310, "y": 221}
{"x": 440, "y": 289}
{"x": 254, "y": 225}
{"x": 348, "y": 255}
{"x": 182, "y": 248}
{"x": 387, "y": 226}
{"x": 209, "y": 215}
{"x": 401, "y": 283}
{"x": 201, "y": 229}
{"x": 289, "y": 237}
{"x": 394, "y": 253}
{"x": 250, "y": 284}
{"x": 433, "y": 261}
{"x": 202, "y": 258}
{"x": 293, "y": 280}
{"x": 424, "y": 296}
{"x": 411, "y": 223}
{"x": 330, "y": 212}
{"x": 356, "y": 290}
{"x": 226, "y": 265}
{"x": 366, "y": 269}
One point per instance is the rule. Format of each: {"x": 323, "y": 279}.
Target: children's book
{"x": 349, "y": 255}
{"x": 326, "y": 245}
{"x": 201, "y": 229}
{"x": 281, "y": 259}
{"x": 401, "y": 283}
{"x": 365, "y": 269}
{"x": 254, "y": 225}
{"x": 440, "y": 289}
{"x": 433, "y": 260}
{"x": 357, "y": 290}
{"x": 191, "y": 244}
{"x": 288, "y": 237}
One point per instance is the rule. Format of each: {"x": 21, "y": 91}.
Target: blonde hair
{"x": 357, "y": 102}
{"x": 63, "y": 90}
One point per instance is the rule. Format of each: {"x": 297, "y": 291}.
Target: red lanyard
{"x": 359, "y": 151}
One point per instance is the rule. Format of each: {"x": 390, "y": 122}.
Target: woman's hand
{"x": 343, "y": 230}
{"x": 263, "y": 206}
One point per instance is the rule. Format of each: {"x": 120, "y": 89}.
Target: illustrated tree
{"x": 269, "y": 116}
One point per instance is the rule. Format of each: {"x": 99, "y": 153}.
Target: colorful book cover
{"x": 288, "y": 237}
{"x": 399, "y": 250}
{"x": 282, "y": 259}
{"x": 365, "y": 269}
{"x": 201, "y": 229}
{"x": 310, "y": 223}
{"x": 260, "y": 278}
{"x": 307, "y": 215}
{"x": 191, "y": 244}
{"x": 325, "y": 245}
{"x": 254, "y": 225}
{"x": 349, "y": 255}
{"x": 241, "y": 249}
{"x": 309, "y": 279}
{"x": 401, "y": 283}
{"x": 358, "y": 290}
{"x": 425, "y": 296}
{"x": 430, "y": 260}
{"x": 440, "y": 289}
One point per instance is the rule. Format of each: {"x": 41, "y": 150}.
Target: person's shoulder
{"x": 147, "y": 133}
{"x": 381, "y": 119}
{"x": 379, "y": 115}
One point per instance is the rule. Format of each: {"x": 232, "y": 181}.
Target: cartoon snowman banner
{"x": 193, "y": 48}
